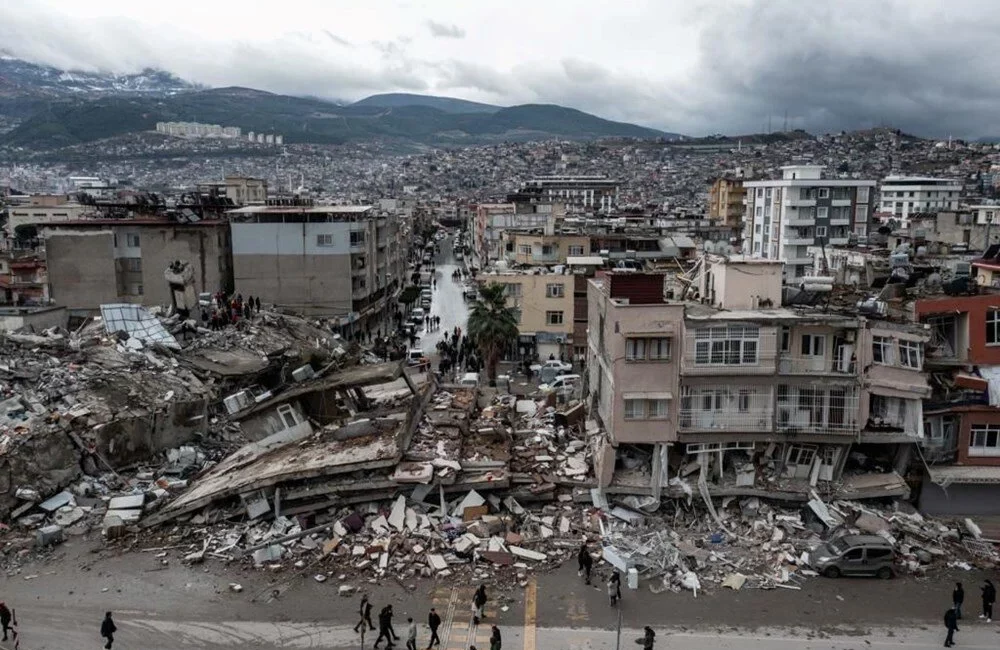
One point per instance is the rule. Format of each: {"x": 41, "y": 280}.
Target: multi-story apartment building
{"x": 586, "y": 193}
{"x": 785, "y": 216}
{"x": 491, "y": 220}
{"x": 537, "y": 249}
{"x": 759, "y": 398}
{"x": 241, "y": 190}
{"x": 42, "y": 209}
{"x": 904, "y": 196}
{"x": 544, "y": 305}
{"x": 343, "y": 262}
{"x": 962, "y": 416}
{"x": 96, "y": 261}
{"x": 725, "y": 201}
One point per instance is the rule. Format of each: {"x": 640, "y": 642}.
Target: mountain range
{"x": 54, "y": 108}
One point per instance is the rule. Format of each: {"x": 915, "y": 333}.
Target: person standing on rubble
{"x": 433, "y": 622}
{"x": 108, "y": 629}
{"x": 950, "y": 624}
{"x": 989, "y": 597}
{"x": 957, "y": 598}
{"x": 586, "y": 562}
{"x": 411, "y": 634}
{"x": 365, "y": 610}
{"x": 479, "y": 604}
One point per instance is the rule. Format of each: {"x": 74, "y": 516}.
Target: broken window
{"x": 882, "y": 350}
{"x": 944, "y": 335}
{"x": 993, "y": 327}
{"x": 288, "y": 416}
{"x": 984, "y": 440}
{"x": 910, "y": 354}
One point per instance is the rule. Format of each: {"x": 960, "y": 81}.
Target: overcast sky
{"x": 691, "y": 66}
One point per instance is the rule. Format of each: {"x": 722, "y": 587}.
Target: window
{"x": 136, "y": 289}
{"x": 324, "y": 240}
{"x": 879, "y": 553}
{"x": 862, "y": 195}
{"x": 822, "y": 212}
{"x": 576, "y": 250}
{"x": 821, "y": 231}
{"x": 882, "y": 350}
{"x": 656, "y": 409}
{"x": 357, "y": 238}
{"x": 659, "y": 349}
{"x": 786, "y": 336}
{"x": 813, "y": 345}
{"x": 546, "y": 249}
{"x": 910, "y": 353}
{"x": 524, "y": 249}
{"x": 554, "y": 291}
{"x": 553, "y": 318}
{"x": 512, "y": 290}
{"x": 132, "y": 240}
{"x": 727, "y": 345}
{"x": 287, "y": 415}
{"x": 824, "y": 192}
{"x": 801, "y": 455}
{"x": 635, "y": 409}
{"x": 635, "y": 349}
{"x": 743, "y": 402}
{"x": 854, "y": 554}
{"x": 133, "y": 264}
{"x": 993, "y": 327}
{"x": 984, "y": 440}
{"x": 759, "y": 211}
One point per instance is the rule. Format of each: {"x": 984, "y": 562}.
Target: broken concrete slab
{"x": 527, "y": 554}
{"x": 397, "y": 517}
{"x": 436, "y": 562}
{"x": 267, "y": 554}
{"x": 471, "y": 500}
{"x": 58, "y": 501}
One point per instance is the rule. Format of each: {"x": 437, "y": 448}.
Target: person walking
{"x": 433, "y": 622}
{"x": 495, "y": 640}
{"x": 411, "y": 634}
{"x": 612, "y": 590}
{"x": 957, "y": 598}
{"x": 5, "y": 618}
{"x": 648, "y": 638}
{"x": 365, "y": 612}
{"x": 108, "y": 629}
{"x": 385, "y": 627}
{"x": 479, "y": 604}
{"x": 950, "y": 624}
{"x": 586, "y": 562}
{"x": 989, "y": 597}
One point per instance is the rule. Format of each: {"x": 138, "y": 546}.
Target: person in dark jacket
{"x": 586, "y": 562}
{"x": 108, "y": 629}
{"x": 365, "y": 611}
{"x": 5, "y": 617}
{"x": 433, "y": 622}
{"x": 950, "y": 624}
{"x": 495, "y": 641}
{"x": 648, "y": 638}
{"x": 385, "y": 627}
{"x": 479, "y": 604}
{"x": 957, "y": 598}
{"x": 989, "y": 597}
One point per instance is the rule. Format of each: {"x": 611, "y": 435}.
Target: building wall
{"x": 959, "y": 499}
{"x": 203, "y": 247}
{"x": 81, "y": 269}
{"x": 47, "y": 213}
{"x": 37, "y": 319}
{"x": 979, "y": 352}
{"x": 561, "y": 245}
{"x": 970, "y": 418}
{"x": 743, "y": 285}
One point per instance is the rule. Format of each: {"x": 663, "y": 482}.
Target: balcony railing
{"x": 788, "y": 364}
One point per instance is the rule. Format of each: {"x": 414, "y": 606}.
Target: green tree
{"x": 492, "y": 327}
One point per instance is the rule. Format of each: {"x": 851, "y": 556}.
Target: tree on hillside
{"x": 492, "y": 327}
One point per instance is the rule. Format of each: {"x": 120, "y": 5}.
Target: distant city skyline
{"x": 730, "y": 66}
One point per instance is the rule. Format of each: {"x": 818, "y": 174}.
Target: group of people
{"x": 953, "y": 615}
{"x": 229, "y": 311}
{"x": 586, "y": 565}
{"x": 432, "y": 323}
{"x": 386, "y": 631}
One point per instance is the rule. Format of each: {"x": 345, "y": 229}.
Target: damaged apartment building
{"x": 720, "y": 383}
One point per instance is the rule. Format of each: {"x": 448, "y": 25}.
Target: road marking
{"x": 449, "y": 619}
{"x": 530, "y": 605}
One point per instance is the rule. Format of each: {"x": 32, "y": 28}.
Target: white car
{"x": 554, "y": 364}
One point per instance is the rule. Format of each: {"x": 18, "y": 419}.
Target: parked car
{"x": 415, "y": 356}
{"x": 554, "y": 364}
{"x": 417, "y": 316}
{"x": 565, "y": 383}
{"x": 854, "y": 555}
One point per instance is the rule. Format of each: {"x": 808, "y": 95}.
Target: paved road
{"x": 446, "y": 301}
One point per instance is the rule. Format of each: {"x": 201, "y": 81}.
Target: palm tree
{"x": 492, "y": 327}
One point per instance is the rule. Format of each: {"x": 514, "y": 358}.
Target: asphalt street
{"x": 446, "y": 300}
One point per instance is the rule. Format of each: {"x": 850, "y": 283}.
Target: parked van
{"x": 565, "y": 383}
{"x": 854, "y": 555}
{"x": 415, "y": 357}
{"x": 417, "y": 315}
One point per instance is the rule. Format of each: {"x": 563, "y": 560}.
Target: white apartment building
{"x": 784, "y": 217}
{"x": 902, "y": 196}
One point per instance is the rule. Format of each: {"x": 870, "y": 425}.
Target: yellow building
{"x": 725, "y": 201}
{"x": 543, "y": 303}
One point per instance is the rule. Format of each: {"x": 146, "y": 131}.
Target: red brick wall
{"x": 976, "y": 307}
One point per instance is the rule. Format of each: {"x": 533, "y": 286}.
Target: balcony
{"x": 839, "y": 241}
{"x": 801, "y": 203}
{"x": 810, "y": 365}
{"x": 799, "y": 261}
{"x": 840, "y": 203}
{"x": 800, "y": 221}
{"x": 840, "y": 221}
{"x": 798, "y": 240}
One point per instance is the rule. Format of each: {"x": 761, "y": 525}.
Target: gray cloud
{"x": 831, "y": 64}
{"x": 442, "y": 30}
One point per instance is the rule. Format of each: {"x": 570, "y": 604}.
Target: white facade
{"x": 784, "y": 217}
{"x": 902, "y": 196}
{"x": 985, "y": 214}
